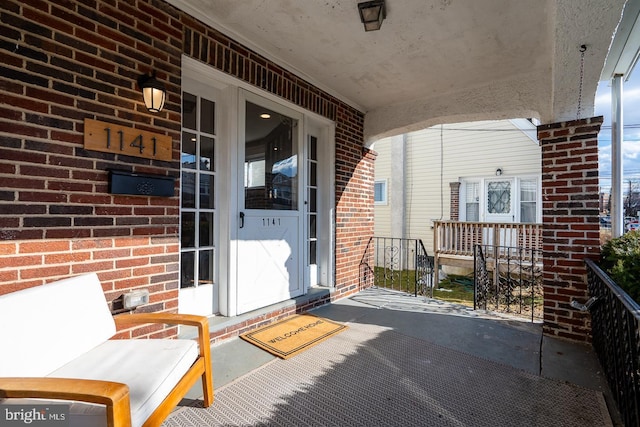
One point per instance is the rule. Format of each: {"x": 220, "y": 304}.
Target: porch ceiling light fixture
{"x": 371, "y": 14}
{"x": 153, "y": 92}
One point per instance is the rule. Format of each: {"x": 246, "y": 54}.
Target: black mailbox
{"x": 137, "y": 184}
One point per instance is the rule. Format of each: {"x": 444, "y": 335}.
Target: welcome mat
{"x": 293, "y": 334}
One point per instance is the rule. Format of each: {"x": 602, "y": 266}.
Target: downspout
{"x": 617, "y": 209}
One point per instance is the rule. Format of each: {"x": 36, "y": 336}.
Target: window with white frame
{"x": 481, "y": 199}
{"x": 528, "y": 200}
{"x": 380, "y": 192}
{"x": 472, "y": 201}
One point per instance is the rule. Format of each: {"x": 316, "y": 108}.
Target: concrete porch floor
{"x": 501, "y": 339}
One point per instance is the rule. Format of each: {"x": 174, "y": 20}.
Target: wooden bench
{"x": 57, "y": 345}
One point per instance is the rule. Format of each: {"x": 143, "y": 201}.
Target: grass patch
{"x": 459, "y": 289}
{"x": 455, "y": 288}
{"x": 400, "y": 280}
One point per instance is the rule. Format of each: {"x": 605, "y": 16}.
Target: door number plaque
{"x": 112, "y": 138}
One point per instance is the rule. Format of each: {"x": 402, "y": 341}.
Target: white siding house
{"x": 491, "y": 170}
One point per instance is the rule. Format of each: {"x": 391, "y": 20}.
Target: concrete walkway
{"x": 501, "y": 339}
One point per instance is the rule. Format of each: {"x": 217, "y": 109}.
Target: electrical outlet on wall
{"x": 135, "y": 298}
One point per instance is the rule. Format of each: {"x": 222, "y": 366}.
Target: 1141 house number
{"x": 111, "y": 138}
{"x": 270, "y": 222}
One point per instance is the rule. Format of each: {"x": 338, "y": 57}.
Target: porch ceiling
{"x": 433, "y": 61}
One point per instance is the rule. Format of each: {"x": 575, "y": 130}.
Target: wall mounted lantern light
{"x": 371, "y": 14}
{"x": 499, "y": 171}
{"x": 153, "y": 92}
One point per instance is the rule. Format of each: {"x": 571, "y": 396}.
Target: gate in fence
{"x": 509, "y": 280}
{"x": 398, "y": 263}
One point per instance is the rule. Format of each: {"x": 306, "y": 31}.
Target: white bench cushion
{"x": 46, "y": 326}
{"x": 151, "y": 368}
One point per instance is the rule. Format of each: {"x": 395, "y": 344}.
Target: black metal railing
{"x": 615, "y": 324}
{"x": 398, "y": 263}
{"x": 508, "y": 280}
{"x": 366, "y": 265}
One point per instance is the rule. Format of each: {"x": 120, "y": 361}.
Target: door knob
{"x": 241, "y": 219}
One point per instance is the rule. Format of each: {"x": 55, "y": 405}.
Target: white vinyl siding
{"x": 466, "y": 155}
{"x": 382, "y": 211}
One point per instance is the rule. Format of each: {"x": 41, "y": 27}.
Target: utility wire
{"x": 631, "y": 126}
{"x": 441, "y": 172}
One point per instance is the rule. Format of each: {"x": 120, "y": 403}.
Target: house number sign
{"x": 112, "y": 138}
{"x": 270, "y": 222}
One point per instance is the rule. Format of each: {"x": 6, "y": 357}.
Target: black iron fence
{"x": 615, "y": 324}
{"x": 397, "y": 263}
{"x": 509, "y": 280}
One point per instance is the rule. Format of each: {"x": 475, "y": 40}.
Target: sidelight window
{"x": 198, "y": 174}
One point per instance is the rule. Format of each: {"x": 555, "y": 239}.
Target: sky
{"x": 631, "y": 131}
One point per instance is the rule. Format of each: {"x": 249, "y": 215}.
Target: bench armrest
{"x": 168, "y": 318}
{"x": 200, "y": 322}
{"x": 115, "y": 396}
{"x": 204, "y": 343}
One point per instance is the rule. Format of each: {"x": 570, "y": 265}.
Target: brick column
{"x": 454, "y": 202}
{"x": 571, "y": 229}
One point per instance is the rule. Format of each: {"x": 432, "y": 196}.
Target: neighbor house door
{"x": 500, "y": 208}
{"x": 499, "y": 203}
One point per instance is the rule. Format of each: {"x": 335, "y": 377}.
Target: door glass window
{"x": 271, "y": 160}
{"x": 499, "y": 197}
{"x": 197, "y": 158}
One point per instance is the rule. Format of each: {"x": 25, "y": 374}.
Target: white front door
{"x": 277, "y": 171}
{"x": 270, "y": 221}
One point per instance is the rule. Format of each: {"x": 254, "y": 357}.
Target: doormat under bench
{"x": 293, "y": 335}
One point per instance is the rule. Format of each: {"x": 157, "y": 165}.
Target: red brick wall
{"x": 570, "y": 203}
{"x": 354, "y": 215}
{"x": 62, "y": 62}
{"x": 454, "y": 201}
